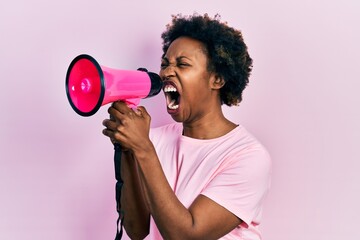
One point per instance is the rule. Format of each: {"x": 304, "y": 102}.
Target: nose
{"x": 167, "y": 72}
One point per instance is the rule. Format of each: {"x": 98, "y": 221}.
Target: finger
{"x": 115, "y": 114}
{"x": 115, "y": 136}
{"x": 118, "y": 116}
{"x": 121, "y": 106}
{"x": 122, "y": 116}
{"x": 109, "y": 133}
{"x": 109, "y": 124}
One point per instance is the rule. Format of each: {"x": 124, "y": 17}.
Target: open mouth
{"x": 172, "y": 97}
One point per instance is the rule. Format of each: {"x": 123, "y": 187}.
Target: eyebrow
{"x": 177, "y": 59}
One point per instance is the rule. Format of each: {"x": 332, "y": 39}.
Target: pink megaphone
{"x": 90, "y": 86}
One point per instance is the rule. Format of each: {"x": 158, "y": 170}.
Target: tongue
{"x": 172, "y": 103}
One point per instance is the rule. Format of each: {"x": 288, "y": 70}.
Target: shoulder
{"x": 168, "y": 128}
{"x": 240, "y": 140}
{"x": 168, "y": 131}
{"x": 245, "y": 151}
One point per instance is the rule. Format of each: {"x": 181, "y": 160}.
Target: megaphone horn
{"x": 90, "y": 86}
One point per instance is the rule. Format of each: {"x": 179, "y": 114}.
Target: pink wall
{"x": 56, "y": 169}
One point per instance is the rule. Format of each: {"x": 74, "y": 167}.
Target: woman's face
{"x": 187, "y": 82}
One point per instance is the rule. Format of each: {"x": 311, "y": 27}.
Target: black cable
{"x": 118, "y": 187}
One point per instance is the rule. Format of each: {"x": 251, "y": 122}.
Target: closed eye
{"x": 184, "y": 64}
{"x": 179, "y": 62}
{"x": 181, "y": 65}
{"x": 164, "y": 64}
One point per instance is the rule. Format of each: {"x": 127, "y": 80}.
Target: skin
{"x": 146, "y": 190}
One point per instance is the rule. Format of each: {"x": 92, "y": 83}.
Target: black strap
{"x": 118, "y": 186}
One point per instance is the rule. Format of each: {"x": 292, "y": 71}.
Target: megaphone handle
{"x": 132, "y": 103}
{"x": 118, "y": 186}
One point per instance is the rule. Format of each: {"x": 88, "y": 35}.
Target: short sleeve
{"x": 241, "y": 183}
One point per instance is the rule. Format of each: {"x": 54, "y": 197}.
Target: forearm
{"x": 133, "y": 205}
{"x": 173, "y": 220}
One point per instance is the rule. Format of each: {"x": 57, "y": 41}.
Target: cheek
{"x": 161, "y": 73}
{"x": 195, "y": 92}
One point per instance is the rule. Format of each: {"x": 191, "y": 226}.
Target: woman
{"x": 202, "y": 177}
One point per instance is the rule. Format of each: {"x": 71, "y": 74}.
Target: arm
{"x": 204, "y": 219}
{"x": 136, "y": 213}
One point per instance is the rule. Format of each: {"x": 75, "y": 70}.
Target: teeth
{"x": 169, "y": 88}
{"x": 171, "y": 102}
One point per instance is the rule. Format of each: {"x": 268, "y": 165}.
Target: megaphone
{"x": 90, "y": 86}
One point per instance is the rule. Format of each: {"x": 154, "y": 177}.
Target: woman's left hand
{"x": 126, "y": 126}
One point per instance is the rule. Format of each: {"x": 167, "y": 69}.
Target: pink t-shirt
{"x": 232, "y": 170}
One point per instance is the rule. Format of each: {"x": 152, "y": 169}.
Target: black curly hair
{"x": 227, "y": 52}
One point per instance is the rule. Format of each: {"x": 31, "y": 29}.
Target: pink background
{"x": 56, "y": 168}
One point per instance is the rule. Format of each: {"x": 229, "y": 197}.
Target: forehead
{"x": 186, "y": 46}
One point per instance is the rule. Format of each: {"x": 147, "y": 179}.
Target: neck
{"x": 211, "y": 125}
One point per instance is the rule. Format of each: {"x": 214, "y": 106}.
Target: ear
{"x": 217, "y": 82}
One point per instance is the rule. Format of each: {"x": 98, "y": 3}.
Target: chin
{"x": 176, "y": 117}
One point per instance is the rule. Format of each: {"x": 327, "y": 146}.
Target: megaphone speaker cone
{"x": 85, "y": 86}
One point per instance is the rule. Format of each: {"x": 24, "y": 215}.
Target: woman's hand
{"x": 126, "y": 126}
